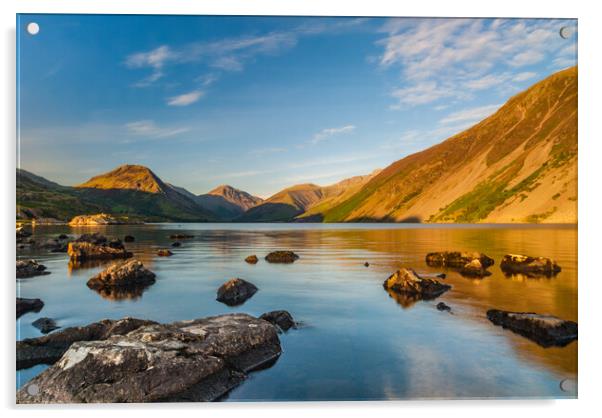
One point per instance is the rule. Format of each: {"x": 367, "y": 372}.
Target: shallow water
{"x": 356, "y": 342}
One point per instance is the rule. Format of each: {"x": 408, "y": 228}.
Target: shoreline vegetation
{"x": 519, "y": 165}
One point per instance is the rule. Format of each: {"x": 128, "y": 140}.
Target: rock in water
{"x": 366, "y": 264}
{"x": 199, "y": 360}
{"x": 176, "y": 244}
{"x": 474, "y": 269}
{"x": 30, "y": 268}
{"x": 25, "y": 305}
{"x": 545, "y": 330}
{"x": 82, "y": 251}
{"x": 457, "y": 259}
{"x": 282, "y": 319}
{"x": 252, "y": 259}
{"x": 127, "y": 274}
{"x": 23, "y": 232}
{"x": 441, "y": 306}
{"x": 50, "y": 348}
{"x": 530, "y": 266}
{"x": 45, "y": 325}
{"x": 407, "y": 282}
{"x": 235, "y": 292}
{"x": 129, "y": 238}
{"x": 281, "y": 257}
{"x": 164, "y": 253}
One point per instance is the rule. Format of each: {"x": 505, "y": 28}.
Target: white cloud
{"x": 154, "y": 59}
{"x": 524, "y": 76}
{"x": 149, "y": 129}
{"x": 185, "y": 99}
{"x": 440, "y": 59}
{"x": 471, "y": 115}
{"x": 526, "y": 58}
{"x": 328, "y": 132}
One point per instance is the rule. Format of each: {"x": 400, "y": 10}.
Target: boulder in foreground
{"x": 30, "y": 268}
{"x": 457, "y": 259}
{"x": 530, "y": 266}
{"x": 164, "y": 253}
{"x": 407, "y": 282}
{"x": 281, "y": 257}
{"x": 198, "y": 360}
{"x": 25, "y": 305}
{"x": 50, "y": 348}
{"x": 127, "y": 274}
{"x": 282, "y": 319}
{"x": 235, "y": 292}
{"x": 545, "y": 330}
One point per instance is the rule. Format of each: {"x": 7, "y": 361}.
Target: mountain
{"x": 41, "y": 198}
{"x": 303, "y": 201}
{"x": 518, "y": 165}
{"x": 227, "y": 202}
{"x": 129, "y": 190}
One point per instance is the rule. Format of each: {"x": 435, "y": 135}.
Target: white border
{"x": 590, "y": 204}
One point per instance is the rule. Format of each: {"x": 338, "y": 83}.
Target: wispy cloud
{"x": 471, "y": 115}
{"x": 149, "y": 129}
{"x": 185, "y": 99}
{"x": 266, "y": 151}
{"x": 328, "y": 132}
{"x": 154, "y": 59}
{"x": 452, "y": 58}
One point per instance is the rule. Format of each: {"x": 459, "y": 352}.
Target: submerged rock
{"x": 457, "y": 259}
{"x": 45, "y": 325}
{"x": 54, "y": 245}
{"x": 199, "y": 360}
{"x": 529, "y": 266}
{"x": 23, "y": 232}
{"x": 25, "y": 305}
{"x": 281, "y": 257}
{"x": 176, "y": 244}
{"x": 252, "y": 259}
{"x": 441, "y": 275}
{"x": 30, "y": 268}
{"x": 366, "y": 264}
{"x": 405, "y": 281}
{"x": 282, "y": 319}
{"x": 50, "y": 348}
{"x": 441, "y": 306}
{"x": 545, "y": 330}
{"x": 127, "y": 274}
{"x": 94, "y": 238}
{"x": 82, "y": 250}
{"x": 164, "y": 253}
{"x": 129, "y": 238}
{"x": 235, "y": 292}
{"x": 474, "y": 269}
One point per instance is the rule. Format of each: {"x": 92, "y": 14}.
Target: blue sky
{"x": 263, "y": 103}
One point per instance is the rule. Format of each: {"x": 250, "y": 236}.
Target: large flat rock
{"x": 545, "y": 330}
{"x": 197, "y": 360}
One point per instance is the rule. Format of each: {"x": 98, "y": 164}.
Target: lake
{"x": 356, "y": 342}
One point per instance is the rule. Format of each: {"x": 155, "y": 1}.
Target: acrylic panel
{"x": 255, "y": 208}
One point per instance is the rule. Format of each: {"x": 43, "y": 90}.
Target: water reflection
{"x": 360, "y": 344}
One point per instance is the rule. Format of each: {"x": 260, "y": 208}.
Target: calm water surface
{"x": 356, "y": 342}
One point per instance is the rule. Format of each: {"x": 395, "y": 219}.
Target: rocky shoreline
{"x": 138, "y": 360}
{"x": 141, "y": 361}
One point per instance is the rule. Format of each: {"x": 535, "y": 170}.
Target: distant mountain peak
{"x": 127, "y": 176}
{"x": 236, "y": 196}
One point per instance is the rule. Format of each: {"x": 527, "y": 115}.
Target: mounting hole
{"x": 33, "y": 28}
{"x": 33, "y": 389}
{"x": 566, "y": 32}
